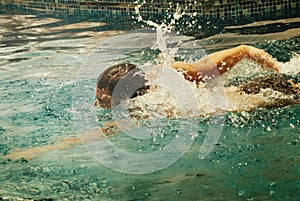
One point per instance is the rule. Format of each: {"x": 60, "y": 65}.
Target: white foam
{"x": 159, "y": 102}
{"x": 291, "y": 67}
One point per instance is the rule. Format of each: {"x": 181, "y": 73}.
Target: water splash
{"x": 292, "y": 67}
{"x": 162, "y": 31}
{"x": 236, "y": 99}
{"x": 162, "y": 75}
{"x": 160, "y": 102}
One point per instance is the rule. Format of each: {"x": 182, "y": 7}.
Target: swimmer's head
{"x": 118, "y": 83}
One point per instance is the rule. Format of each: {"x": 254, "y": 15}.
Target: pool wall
{"x": 209, "y": 9}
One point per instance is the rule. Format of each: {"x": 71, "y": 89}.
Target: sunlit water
{"x": 256, "y": 157}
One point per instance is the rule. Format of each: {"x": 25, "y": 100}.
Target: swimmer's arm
{"x": 64, "y": 144}
{"x": 224, "y": 60}
{"x": 35, "y": 152}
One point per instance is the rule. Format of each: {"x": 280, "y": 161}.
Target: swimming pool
{"x": 44, "y": 58}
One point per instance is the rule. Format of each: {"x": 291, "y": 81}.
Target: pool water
{"x": 44, "y": 59}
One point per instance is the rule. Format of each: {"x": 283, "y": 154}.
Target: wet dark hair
{"x": 120, "y": 82}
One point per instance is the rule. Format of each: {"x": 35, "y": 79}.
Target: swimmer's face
{"x": 103, "y": 98}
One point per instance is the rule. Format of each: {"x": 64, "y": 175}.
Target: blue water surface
{"x": 256, "y": 157}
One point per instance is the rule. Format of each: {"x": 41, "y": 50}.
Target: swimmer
{"x": 213, "y": 64}
{"x": 196, "y": 72}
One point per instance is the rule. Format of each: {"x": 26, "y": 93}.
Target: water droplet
{"x": 241, "y": 192}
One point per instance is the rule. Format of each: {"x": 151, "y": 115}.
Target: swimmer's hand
{"x": 260, "y": 56}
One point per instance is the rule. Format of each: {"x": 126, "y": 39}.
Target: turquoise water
{"x": 42, "y": 62}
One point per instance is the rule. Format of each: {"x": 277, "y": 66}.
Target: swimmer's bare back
{"x": 222, "y": 61}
